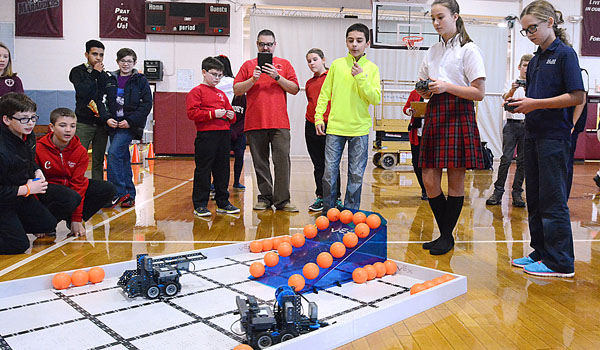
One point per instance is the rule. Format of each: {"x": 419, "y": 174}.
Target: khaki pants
{"x": 97, "y": 136}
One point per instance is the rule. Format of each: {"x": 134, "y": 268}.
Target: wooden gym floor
{"x": 503, "y": 309}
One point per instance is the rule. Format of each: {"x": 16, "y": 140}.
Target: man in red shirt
{"x": 267, "y": 123}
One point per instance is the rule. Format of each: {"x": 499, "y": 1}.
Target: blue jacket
{"x": 138, "y": 101}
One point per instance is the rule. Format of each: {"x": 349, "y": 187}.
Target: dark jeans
{"x": 238, "y": 146}
{"x": 549, "y": 220}
{"x": 574, "y": 137}
{"x": 276, "y": 143}
{"x": 211, "y": 155}
{"x": 315, "y": 144}
{"x": 27, "y": 215}
{"x": 414, "y": 150}
{"x": 61, "y": 201}
{"x": 513, "y": 135}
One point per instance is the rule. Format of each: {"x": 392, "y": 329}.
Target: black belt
{"x": 516, "y": 121}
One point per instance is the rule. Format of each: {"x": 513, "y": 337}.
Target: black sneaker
{"x": 128, "y": 203}
{"x": 202, "y": 211}
{"x": 518, "y": 200}
{"x": 317, "y": 205}
{"x": 116, "y": 201}
{"x": 228, "y": 209}
{"x": 495, "y": 199}
{"x": 597, "y": 180}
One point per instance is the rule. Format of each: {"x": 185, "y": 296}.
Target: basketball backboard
{"x": 393, "y": 22}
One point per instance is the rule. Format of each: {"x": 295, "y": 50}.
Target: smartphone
{"x": 264, "y": 57}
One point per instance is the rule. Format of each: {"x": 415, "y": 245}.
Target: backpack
{"x": 488, "y": 157}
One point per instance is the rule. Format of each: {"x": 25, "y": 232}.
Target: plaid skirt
{"x": 450, "y": 134}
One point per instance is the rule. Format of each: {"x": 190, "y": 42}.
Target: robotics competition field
{"x": 206, "y": 299}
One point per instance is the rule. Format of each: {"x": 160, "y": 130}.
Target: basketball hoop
{"x": 413, "y": 42}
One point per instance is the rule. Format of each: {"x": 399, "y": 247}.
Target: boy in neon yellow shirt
{"x": 352, "y": 84}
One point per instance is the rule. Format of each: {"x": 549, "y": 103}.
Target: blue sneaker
{"x": 239, "y": 187}
{"x": 522, "y": 262}
{"x": 540, "y": 269}
{"x": 317, "y": 205}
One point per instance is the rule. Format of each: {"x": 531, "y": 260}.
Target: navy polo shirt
{"x": 552, "y": 72}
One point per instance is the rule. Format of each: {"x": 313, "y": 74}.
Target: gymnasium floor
{"x": 503, "y": 309}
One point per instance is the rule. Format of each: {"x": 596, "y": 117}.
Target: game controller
{"x": 509, "y": 108}
{"x": 423, "y": 84}
{"x": 521, "y": 82}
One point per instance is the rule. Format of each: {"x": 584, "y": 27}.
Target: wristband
{"x": 28, "y": 191}
{"x": 277, "y": 78}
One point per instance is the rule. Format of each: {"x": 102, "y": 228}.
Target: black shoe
{"x": 128, "y": 203}
{"x": 116, "y": 201}
{"x": 518, "y": 200}
{"x": 424, "y": 196}
{"x": 228, "y": 209}
{"x": 429, "y": 245}
{"x": 597, "y": 180}
{"x": 443, "y": 246}
{"x": 495, "y": 199}
{"x": 202, "y": 211}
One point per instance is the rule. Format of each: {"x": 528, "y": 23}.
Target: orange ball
{"x": 310, "y": 271}
{"x": 271, "y": 259}
{"x": 310, "y": 231}
{"x": 350, "y": 240}
{"x": 298, "y": 240}
{"x": 380, "y": 269}
{"x": 257, "y": 269}
{"x": 359, "y": 217}
{"x": 61, "y": 281}
{"x": 416, "y": 288}
{"x": 276, "y": 242}
{"x": 448, "y": 277}
{"x": 297, "y": 282}
{"x": 79, "y": 278}
{"x": 346, "y": 216}
{"x": 322, "y": 222}
{"x": 243, "y": 347}
{"x": 438, "y": 280}
{"x": 333, "y": 214}
{"x": 429, "y": 283}
{"x": 96, "y": 274}
{"x": 324, "y": 260}
{"x": 371, "y": 272}
{"x": 359, "y": 275}
{"x": 390, "y": 267}
{"x": 287, "y": 239}
{"x": 256, "y": 246}
{"x": 285, "y": 249}
{"x": 267, "y": 244}
{"x": 337, "y": 249}
{"x": 374, "y": 221}
{"x": 362, "y": 230}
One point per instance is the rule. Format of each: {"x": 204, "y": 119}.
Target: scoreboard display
{"x": 187, "y": 18}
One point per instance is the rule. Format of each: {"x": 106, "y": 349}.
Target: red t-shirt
{"x": 266, "y": 100}
{"x": 313, "y": 88}
{"x": 201, "y": 103}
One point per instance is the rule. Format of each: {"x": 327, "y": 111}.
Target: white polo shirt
{"x": 519, "y": 93}
{"x": 452, "y": 63}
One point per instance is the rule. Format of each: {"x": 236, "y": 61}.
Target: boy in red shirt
{"x": 64, "y": 161}
{"x": 212, "y": 113}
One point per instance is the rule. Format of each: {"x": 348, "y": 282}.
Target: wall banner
{"x": 590, "y": 29}
{"x": 40, "y": 18}
{"x": 123, "y": 19}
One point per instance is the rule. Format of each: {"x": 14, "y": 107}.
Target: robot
{"x": 265, "y": 327}
{"x": 156, "y": 277}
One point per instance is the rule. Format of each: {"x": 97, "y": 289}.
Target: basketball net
{"x": 413, "y": 42}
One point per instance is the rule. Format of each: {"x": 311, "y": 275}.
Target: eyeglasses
{"x": 263, "y": 45}
{"x": 34, "y": 118}
{"x": 531, "y": 29}
{"x": 126, "y": 61}
{"x": 216, "y": 75}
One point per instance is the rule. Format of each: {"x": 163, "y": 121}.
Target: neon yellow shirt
{"x": 350, "y": 97}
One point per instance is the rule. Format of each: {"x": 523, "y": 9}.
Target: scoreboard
{"x": 187, "y": 18}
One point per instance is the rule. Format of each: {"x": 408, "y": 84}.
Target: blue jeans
{"x": 119, "y": 163}
{"x": 549, "y": 219}
{"x": 357, "y": 162}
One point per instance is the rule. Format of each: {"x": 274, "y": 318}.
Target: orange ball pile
{"x": 284, "y": 249}
{"x": 337, "y": 249}
{"x": 310, "y": 231}
{"x": 298, "y": 240}
{"x": 96, "y": 274}
{"x": 322, "y": 223}
{"x": 359, "y": 217}
{"x": 362, "y": 230}
{"x": 350, "y": 240}
{"x": 333, "y": 214}
{"x": 297, "y": 282}
{"x": 267, "y": 244}
{"x": 416, "y": 288}
{"x": 257, "y": 269}
{"x": 79, "y": 278}
{"x": 271, "y": 259}
{"x": 374, "y": 221}
{"x": 359, "y": 275}
{"x": 310, "y": 271}
{"x": 346, "y": 216}
{"x": 419, "y": 287}
{"x": 61, "y": 281}
{"x": 324, "y": 260}
{"x": 256, "y": 246}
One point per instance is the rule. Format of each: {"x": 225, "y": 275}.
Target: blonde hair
{"x": 543, "y": 10}
{"x": 8, "y": 72}
{"x": 525, "y": 58}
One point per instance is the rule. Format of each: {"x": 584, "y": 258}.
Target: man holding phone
{"x": 267, "y": 124}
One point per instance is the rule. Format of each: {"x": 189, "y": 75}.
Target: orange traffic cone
{"x": 135, "y": 158}
{"x": 105, "y": 166}
{"x": 150, "y": 154}
{"x": 136, "y": 174}
{"x": 105, "y": 174}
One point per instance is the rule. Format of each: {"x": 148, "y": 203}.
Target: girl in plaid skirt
{"x": 450, "y": 136}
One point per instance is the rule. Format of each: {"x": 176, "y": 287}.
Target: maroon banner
{"x": 590, "y": 30}
{"x": 123, "y": 19}
{"x": 39, "y": 18}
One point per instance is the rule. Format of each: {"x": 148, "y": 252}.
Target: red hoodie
{"x": 66, "y": 167}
